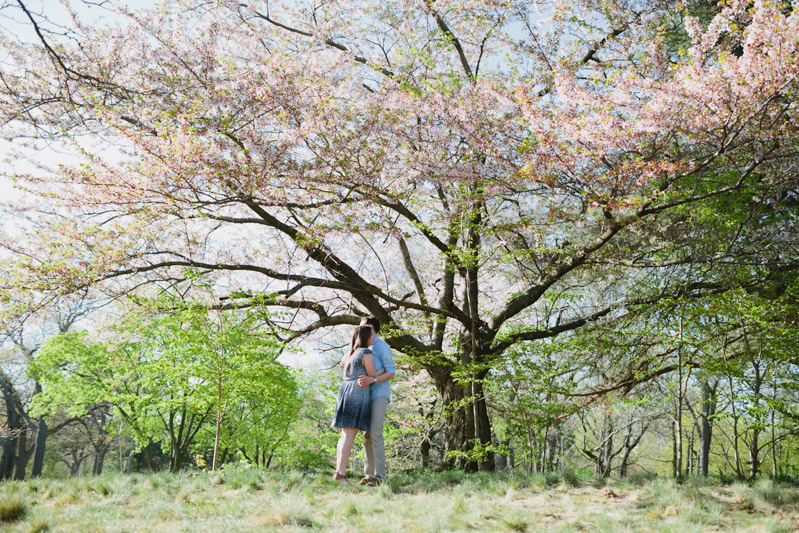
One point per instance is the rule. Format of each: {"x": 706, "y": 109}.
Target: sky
{"x": 50, "y": 15}
{"x": 14, "y": 23}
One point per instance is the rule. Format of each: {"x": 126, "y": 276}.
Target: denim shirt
{"x": 383, "y": 359}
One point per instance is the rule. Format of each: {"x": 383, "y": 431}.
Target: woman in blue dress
{"x": 354, "y": 404}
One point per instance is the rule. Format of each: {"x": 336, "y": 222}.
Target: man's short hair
{"x": 371, "y": 321}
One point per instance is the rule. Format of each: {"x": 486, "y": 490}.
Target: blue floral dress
{"x": 354, "y": 404}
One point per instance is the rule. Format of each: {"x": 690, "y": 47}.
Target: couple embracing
{"x": 363, "y": 400}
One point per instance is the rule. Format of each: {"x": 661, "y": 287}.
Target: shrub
{"x": 552, "y": 478}
{"x": 570, "y": 479}
{"x": 729, "y": 479}
{"x": 641, "y": 478}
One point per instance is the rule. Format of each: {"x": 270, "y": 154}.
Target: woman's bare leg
{"x": 344, "y": 449}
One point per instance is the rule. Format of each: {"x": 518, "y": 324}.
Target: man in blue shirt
{"x": 373, "y": 443}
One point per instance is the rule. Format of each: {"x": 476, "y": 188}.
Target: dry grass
{"x": 250, "y": 500}
{"x": 11, "y": 508}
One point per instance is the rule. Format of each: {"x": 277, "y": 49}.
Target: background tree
{"x": 167, "y": 376}
{"x": 310, "y": 443}
{"x": 24, "y": 339}
{"x": 236, "y": 361}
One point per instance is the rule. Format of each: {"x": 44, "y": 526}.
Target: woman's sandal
{"x": 340, "y": 478}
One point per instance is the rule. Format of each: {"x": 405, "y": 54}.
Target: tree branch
{"x": 414, "y": 275}
{"x": 329, "y": 42}
{"x": 689, "y": 290}
{"x": 445, "y": 29}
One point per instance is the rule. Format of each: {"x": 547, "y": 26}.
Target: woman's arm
{"x": 369, "y": 364}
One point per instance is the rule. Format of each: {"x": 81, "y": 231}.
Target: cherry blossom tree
{"x": 475, "y": 174}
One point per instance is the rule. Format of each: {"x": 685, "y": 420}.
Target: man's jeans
{"x": 373, "y": 444}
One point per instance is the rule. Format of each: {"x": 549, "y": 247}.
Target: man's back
{"x": 383, "y": 360}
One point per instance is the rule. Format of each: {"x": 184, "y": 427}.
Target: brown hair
{"x": 360, "y": 339}
{"x": 371, "y": 321}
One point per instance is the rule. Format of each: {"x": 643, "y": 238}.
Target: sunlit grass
{"x": 254, "y": 500}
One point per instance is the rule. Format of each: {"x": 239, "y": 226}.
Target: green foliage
{"x": 477, "y": 451}
{"x": 310, "y": 444}
{"x": 167, "y": 374}
{"x": 531, "y": 386}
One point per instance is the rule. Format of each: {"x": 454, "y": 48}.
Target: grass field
{"x": 250, "y": 500}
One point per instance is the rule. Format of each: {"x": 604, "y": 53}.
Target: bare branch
{"x": 329, "y": 42}
{"x": 445, "y": 29}
{"x": 414, "y": 275}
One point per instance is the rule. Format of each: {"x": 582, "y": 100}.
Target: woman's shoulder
{"x": 363, "y": 351}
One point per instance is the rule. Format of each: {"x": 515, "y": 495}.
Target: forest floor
{"x": 252, "y": 500}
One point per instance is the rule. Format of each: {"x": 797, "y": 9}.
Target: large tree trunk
{"x": 38, "y": 453}
{"x": 23, "y": 454}
{"x": 13, "y": 423}
{"x": 176, "y": 459}
{"x": 424, "y": 450}
{"x": 8, "y": 459}
{"x": 99, "y": 459}
{"x": 148, "y": 456}
{"x": 459, "y": 425}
